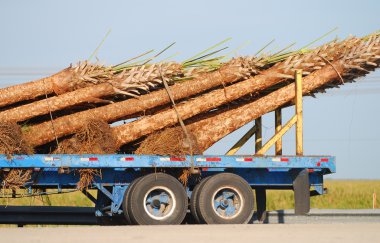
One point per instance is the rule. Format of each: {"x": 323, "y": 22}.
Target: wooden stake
{"x": 259, "y": 134}
{"x": 299, "y": 125}
{"x": 242, "y": 141}
{"x": 278, "y": 135}
{"x": 278, "y": 124}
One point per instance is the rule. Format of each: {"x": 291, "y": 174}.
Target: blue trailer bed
{"x": 119, "y": 171}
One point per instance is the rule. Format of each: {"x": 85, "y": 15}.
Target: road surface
{"x": 295, "y": 233}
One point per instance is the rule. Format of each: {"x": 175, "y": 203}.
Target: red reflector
{"x": 284, "y": 160}
{"x": 324, "y": 160}
{"x": 319, "y": 164}
{"x": 92, "y": 159}
{"x": 129, "y": 159}
{"x": 311, "y": 170}
{"x": 248, "y": 159}
{"x": 213, "y": 159}
{"x": 205, "y": 169}
{"x": 177, "y": 159}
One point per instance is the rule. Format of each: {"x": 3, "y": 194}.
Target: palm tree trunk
{"x": 70, "y": 124}
{"x": 134, "y": 130}
{"x": 34, "y": 89}
{"x": 128, "y": 83}
{"x": 268, "y": 78}
{"x": 354, "y": 63}
{"x": 56, "y": 103}
{"x": 211, "y": 130}
{"x": 80, "y": 76}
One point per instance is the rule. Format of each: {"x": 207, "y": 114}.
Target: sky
{"x": 39, "y": 38}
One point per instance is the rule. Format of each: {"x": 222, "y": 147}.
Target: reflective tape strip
{"x": 89, "y": 159}
{"x": 324, "y": 160}
{"x": 280, "y": 159}
{"x": 127, "y": 159}
{"x": 173, "y": 159}
{"x": 209, "y": 159}
{"x": 177, "y": 159}
{"x": 244, "y": 159}
{"x": 51, "y": 159}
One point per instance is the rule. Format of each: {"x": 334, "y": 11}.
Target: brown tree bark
{"x": 31, "y": 90}
{"x": 354, "y": 63}
{"x": 70, "y": 124}
{"x": 211, "y": 130}
{"x": 55, "y": 103}
{"x": 133, "y": 130}
{"x": 75, "y": 77}
{"x": 143, "y": 77}
{"x": 268, "y": 78}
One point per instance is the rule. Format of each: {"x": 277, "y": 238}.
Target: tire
{"x": 125, "y": 200}
{"x": 168, "y": 201}
{"x": 194, "y": 198}
{"x": 225, "y": 199}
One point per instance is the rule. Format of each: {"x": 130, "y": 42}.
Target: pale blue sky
{"x": 41, "y": 37}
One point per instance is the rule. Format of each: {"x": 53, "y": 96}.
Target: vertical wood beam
{"x": 278, "y": 135}
{"x": 259, "y": 134}
{"x": 242, "y": 141}
{"x": 299, "y": 124}
{"x": 278, "y": 124}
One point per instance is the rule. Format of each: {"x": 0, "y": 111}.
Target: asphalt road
{"x": 367, "y": 232}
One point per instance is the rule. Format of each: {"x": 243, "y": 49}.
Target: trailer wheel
{"x": 194, "y": 199}
{"x": 125, "y": 200}
{"x": 157, "y": 199}
{"x": 225, "y": 199}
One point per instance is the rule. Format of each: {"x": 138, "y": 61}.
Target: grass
{"x": 342, "y": 194}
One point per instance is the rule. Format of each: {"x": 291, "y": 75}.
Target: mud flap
{"x": 301, "y": 189}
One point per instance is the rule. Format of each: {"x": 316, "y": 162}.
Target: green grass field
{"x": 342, "y": 194}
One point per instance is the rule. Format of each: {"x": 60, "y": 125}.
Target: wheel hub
{"x": 156, "y": 203}
{"x": 159, "y": 203}
{"x": 227, "y": 203}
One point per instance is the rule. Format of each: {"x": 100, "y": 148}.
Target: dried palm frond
{"x": 16, "y": 178}
{"x": 95, "y": 137}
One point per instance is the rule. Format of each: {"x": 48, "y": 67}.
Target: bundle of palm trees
{"x": 168, "y": 107}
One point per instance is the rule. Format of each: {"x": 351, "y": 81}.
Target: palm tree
{"x": 355, "y": 62}
{"x": 230, "y": 72}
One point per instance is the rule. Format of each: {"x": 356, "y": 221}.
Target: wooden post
{"x": 242, "y": 141}
{"x": 259, "y": 134}
{"x": 278, "y": 135}
{"x": 278, "y": 124}
{"x": 299, "y": 124}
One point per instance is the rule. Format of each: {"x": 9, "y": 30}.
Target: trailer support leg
{"x": 301, "y": 189}
{"x": 261, "y": 204}
{"x": 89, "y": 196}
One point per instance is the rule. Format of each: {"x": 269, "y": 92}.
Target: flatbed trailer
{"x": 121, "y": 171}
{"x": 145, "y": 189}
